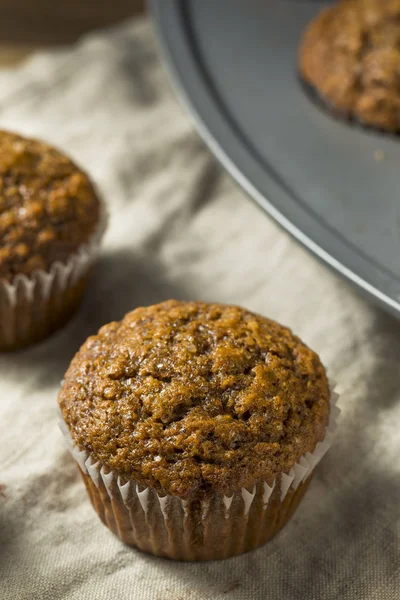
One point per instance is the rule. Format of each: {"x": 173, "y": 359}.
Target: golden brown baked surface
{"x": 351, "y": 55}
{"x": 189, "y": 397}
{"x": 48, "y": 207}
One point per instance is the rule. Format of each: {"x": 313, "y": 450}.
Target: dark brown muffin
{"x": 51, "y": 223}
{"x": 191, "y": 398}
{"x": 350, "y": 55}
{"x": 196, "y": 427}
{"x": 48, "y": 207}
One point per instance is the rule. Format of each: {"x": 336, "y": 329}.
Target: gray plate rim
{"x": 170, "y": 19}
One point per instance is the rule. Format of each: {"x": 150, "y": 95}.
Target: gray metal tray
{"x": 334, "y": 186}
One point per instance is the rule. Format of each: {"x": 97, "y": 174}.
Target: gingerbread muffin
{"x": 350, "y": 56}
{"x": 51, "y": 223}
{"x": 196, "y": 427}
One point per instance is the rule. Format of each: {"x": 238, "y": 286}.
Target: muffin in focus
{"x": 350, "y": 56}
{"x": 51, "y": 222}
{"x": 196, "y": 427}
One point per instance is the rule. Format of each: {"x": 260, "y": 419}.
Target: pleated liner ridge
{"x": 216, "y": 528}
{"x": 33, "y": 307}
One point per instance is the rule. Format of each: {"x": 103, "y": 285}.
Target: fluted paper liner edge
{"x": 68, "y": 272}
{"x": 22, "y": 297}
{"x": 293, "y": 484}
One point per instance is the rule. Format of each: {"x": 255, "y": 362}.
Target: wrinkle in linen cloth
{"x": 180, "y": 228}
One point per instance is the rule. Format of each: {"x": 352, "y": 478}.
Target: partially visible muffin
{"x": 350, "y": 55}
{"x": 201, "y": 406}
{"x": 50, "y": 220}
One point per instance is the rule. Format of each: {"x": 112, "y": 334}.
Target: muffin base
{"x": 215, "y": 528}
{"x": 28, "y": 321}
{"x": 194, "y": 532}
{"x": 322, "y": 103}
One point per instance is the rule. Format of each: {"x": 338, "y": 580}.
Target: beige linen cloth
{"x": 180, "y": 228}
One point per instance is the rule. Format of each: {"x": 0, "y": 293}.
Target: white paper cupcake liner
{"x": 26, "y": 302}
{"x": 169, "y": 526}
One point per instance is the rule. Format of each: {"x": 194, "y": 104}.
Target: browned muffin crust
{"x": 351, "y": 55}
{"x": 48, "y": 207}
{"x": 190, "y": 397}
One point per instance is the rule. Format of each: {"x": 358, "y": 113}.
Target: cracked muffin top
{"x": 350, "y": 54}
{"x": 191, "y": 398}
{"x": 48, "y": 206}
